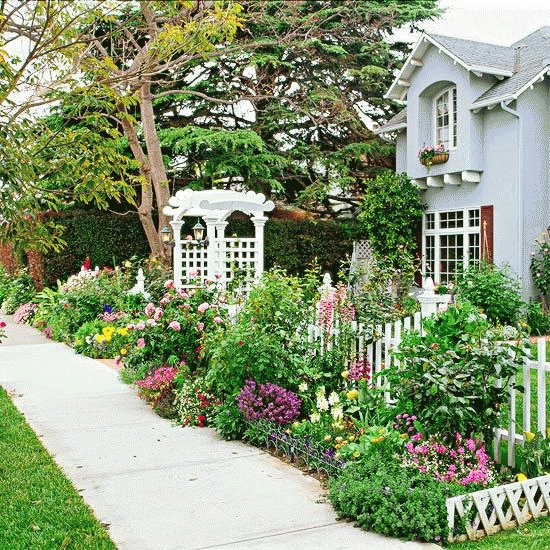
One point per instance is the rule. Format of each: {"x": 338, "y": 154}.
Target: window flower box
{"x": 429, "y": 155}
{"x": 492, "y": 510}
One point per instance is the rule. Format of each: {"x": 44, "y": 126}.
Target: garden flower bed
{"x": 404, "y": 447}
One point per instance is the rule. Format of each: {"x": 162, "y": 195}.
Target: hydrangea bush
{"x": 24, "y": 314}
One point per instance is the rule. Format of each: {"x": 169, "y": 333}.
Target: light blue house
{"x": 489, "y": 106}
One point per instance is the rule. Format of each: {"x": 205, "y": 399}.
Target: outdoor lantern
{"x": 166, "y": 235}
{"x": 198, "y": 231}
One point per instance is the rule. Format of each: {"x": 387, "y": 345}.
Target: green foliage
{"x": 537, "y": 319}
{"x": 450, "y": 374}
{"x": 263, "y": 343}
{"x": 540, "y": 263}
{"x": 535, "y": 455}
{"x": 16, "y": 291}
{"x": 229, "y": 422}
{"x": 385, "y": 498}
{"x": 494, "y": 290}
{"x": 106, "y": 238}
{"x": 391, "y": 213}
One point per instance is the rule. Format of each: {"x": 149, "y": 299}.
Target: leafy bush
{"x": 450, "y": 374}
{"x": 386, "y": 498}
{"x": 494, "y": 290}
{"x": 229, "y": 422}
{"x": 537, "y": 319}
{"x": 263, "y": 343}
{"x": 17, "y": 290}
{"x": 540, "y": 263}
{"x": 391, "y": 213}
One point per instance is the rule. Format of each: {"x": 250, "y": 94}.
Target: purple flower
{"x": 268, "y": 401}
{"x": 107, "y": 308}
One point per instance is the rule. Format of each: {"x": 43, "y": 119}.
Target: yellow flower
{"x": 351, "y": 438}
{"x": 381, "y": 430}
{"x": 337, "y": 446}
{"x": 99, "y": 338}
{"x": 345, "y": 374}
{"x": 356, "y": 454}
{"x": 123, "y": 331}
{"x": 339, "y": 439}
{"x": 375, "y": 440}
{"x": 529, "y": 436}
{"x": 548, "y": 433}
{"x": 295, "y": 424}
{"x": 352, "y": 394}
{"x": 123, "y": 351}
{"x": 404, "y": 436}
{"x": 108, "y": 332}
{"x": 522, "y": 477}
{"x": 328, "y": 437}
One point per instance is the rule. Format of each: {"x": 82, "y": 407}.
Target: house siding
{"x": 534, "y": 109}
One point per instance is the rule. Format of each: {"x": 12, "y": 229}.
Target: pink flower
{"x": 151, "y": 322}
{"x": 131, "y": 326}
{"x": 141, "y": 343}
{"x": 200, "y": 326}
{"x": 217, "y": 320}
{"x": 186, "y": 306}
{"x": 140, "y": 325}
{"x": 203, "y": 307}
{"x": 149, "y": 309}
{"x": 174, "y": 325}
{"x": 218, "y": 276}
{"x": 158, "y": 314}
{"x": 209, "y": 281}
{"x": 169, "y": 284}
{"x": 182, "y": 294}
{"x": 188, "y": 238}
{"x": 164, "y": 301}
{"x": 193, "y": 272}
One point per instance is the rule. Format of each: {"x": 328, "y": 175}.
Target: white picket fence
{"x": 377, "y": 342}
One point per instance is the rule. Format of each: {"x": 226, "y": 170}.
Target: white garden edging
{"x": 499, "y": 508}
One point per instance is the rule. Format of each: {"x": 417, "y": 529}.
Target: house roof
{"x": 517, "y": 67}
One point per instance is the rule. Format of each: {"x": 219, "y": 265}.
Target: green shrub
{"x": 229, "y": 422}
{"x": 17, "y": 290}
{"x": 494, "y": 290}
{"x": 391, "y": 213}
{"x": 540, "y": 263}
{"x": 451, "y": 373}
{"x": 263, "y": 343}
{"x": 537, "y": 319}
{"x": 385, "y": 498}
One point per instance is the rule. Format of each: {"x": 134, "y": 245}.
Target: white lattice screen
{"x": 237, "y": 256}
{"x": 194, "y": 258}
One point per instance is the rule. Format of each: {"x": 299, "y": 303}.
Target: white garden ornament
{"x": 218, "y": 257}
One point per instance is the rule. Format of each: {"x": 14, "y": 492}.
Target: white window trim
{"x": 452, "y": 94}
{"x": 437, "y": 232}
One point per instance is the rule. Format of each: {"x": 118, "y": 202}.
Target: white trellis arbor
{"x": 221, "y": 256}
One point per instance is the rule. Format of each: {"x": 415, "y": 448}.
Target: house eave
{"x": 397, "y": 91}
{"x": 388, "y": 129}
{"x": 476, "y": 106}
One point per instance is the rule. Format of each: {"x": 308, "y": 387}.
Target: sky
{"x": 496, "y": 21}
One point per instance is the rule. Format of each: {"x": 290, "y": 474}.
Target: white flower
{"x": 322, "y": 403}
{"x": 333, "y": 398}
{"x": 337, "y": 413}
{"x": 302, "y": 387}
{"x": 315, "y": 417}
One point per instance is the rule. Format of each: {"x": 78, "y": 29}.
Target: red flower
{"x": 435, "y": 345}
{"x": 240, "y": 343}
{"x": 2, "y": 324}
{"x": 201, "y": 418}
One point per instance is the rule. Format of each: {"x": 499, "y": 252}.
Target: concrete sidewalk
{"x": 156, "y": 485}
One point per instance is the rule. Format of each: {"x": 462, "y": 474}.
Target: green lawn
{"x": 39, "y": 508}
{"x": 534, "y": 535}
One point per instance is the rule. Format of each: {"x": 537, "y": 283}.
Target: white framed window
{"x": 450, "y": 242}
{"x": 445, "y": 118}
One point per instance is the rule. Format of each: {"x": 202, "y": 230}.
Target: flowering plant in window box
{"x": 433, "y": 154}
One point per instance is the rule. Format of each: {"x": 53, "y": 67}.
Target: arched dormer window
{"x": 445, "y": 118}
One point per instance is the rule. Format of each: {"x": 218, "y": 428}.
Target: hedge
{"x": 107, "y": 239}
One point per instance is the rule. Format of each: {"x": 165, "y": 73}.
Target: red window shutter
{"x": 419, "y": 236}
{"x": 486, "y": 236}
